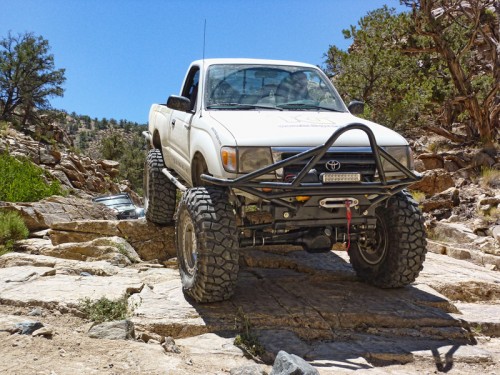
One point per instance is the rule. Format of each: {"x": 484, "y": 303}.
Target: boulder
{"x": 109, "y": 164}
{"x": 150, "y": 241}
{"x": 117, "y": 330}
{"x": 113, "y": 249}
{"x": 56, "y": 209}
{"x": 432, "y": 161}
{"x": 290, "y": 364}
{"x": 433, "y": 181}
{"x": 450, "y": 166}
{"x": 482, "y": 159}
{"x": 452, "y": 232}
{"x": 444, "y": 202}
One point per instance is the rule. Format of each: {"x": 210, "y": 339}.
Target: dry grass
{"x": 490, "y": 178}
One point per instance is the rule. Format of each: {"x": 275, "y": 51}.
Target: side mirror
{"x": 356, "y": 107}
{"x": 179, "y": 103}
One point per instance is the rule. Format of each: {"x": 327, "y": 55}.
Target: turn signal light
{"x": 302, "y": 198}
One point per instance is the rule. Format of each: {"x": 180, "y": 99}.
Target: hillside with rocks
{"x": 295, "y": 308}
{"x": 80, "y": 175}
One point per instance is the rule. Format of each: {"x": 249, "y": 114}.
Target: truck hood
{"x": 299, "y": 128}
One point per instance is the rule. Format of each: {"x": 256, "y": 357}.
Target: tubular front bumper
{"x": 279, "y": 192}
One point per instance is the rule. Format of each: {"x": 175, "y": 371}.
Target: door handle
{"x": 173, "y": 122}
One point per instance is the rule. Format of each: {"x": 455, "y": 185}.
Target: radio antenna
{"x": 204, "y": 37}
{"x": 203, "y": 62}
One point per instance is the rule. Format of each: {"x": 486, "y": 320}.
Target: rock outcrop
{"x": 460, "y": 186}
{"x": 311, "y": 305}
{"x": 150, "y": 241}
{"x": 81, "y": 175}
{"x": 56, "y": 209}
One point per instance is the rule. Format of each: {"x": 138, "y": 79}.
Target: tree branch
{"x": 445, "y": 133}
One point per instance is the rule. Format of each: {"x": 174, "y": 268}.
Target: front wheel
{"x": 393, "y": 255}
{"x": 206, "y": 239}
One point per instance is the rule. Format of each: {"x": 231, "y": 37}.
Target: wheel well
{"x": 199, "y": 166}
{"x": 156, "y": 140}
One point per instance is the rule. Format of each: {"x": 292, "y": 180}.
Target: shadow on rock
{"x": 314, "y": 306}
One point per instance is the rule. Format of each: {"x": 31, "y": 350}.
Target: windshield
{"x": 114, "y": 202}
{"x": 244, "y": 87}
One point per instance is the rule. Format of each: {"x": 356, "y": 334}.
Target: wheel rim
{"x": 373, "y": 252}
{"x": 188, "y": 244}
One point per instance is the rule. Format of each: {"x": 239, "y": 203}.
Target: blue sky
{"x": 122, "y": 56}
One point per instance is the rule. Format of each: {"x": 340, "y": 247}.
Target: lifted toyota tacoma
{"x": 265, "y": 152}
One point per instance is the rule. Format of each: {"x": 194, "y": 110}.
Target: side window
{"x": 190, "y": 89}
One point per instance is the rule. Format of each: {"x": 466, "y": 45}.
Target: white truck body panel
{"x": 182, "y": 135}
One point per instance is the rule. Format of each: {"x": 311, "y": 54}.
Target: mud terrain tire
{"x": 159, "y": 192}
{"x": 206, "y": 239}
{"x": 397, "y": 257}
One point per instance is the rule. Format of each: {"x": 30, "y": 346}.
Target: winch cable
{"x": 348, "y": 217}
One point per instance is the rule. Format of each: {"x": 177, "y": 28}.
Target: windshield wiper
{"x": 307, "y": 106}
{"x": 241, "y": 106}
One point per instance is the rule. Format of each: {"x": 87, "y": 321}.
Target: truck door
{"x": 180, "y": 124}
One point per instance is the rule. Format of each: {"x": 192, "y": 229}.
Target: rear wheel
{"x": 393, "y": 254}
{"x": 207, "y": 244}
{"x": 159, "y": 192}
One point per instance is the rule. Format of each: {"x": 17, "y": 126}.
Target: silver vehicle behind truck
{"x": 266, "y": 152}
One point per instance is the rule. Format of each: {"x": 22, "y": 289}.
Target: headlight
{"x": 245, "y": 159}
{"x": 402, "y": 154}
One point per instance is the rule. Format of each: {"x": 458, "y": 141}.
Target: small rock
{"x": 189, "y": 362}
{"x": 37, "y": 311}
{"x": 44, "y": 331}
{"x": 290, "y": 364}
{"x": 85, "y": 274}
{"x": 491, "y": 267}
{"x": 169, "y": 346}
{"x": 453, "y": 219}
{"x": 117, "y": 330}
{"x": 27, "y": 328}
{"x": 147, "y": 336}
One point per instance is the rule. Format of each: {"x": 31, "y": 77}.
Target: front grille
{"x": 362, "y": 163}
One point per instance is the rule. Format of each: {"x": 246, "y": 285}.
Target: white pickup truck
{"x": 265, "y": 152}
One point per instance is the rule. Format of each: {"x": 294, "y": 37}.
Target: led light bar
{"x": 341, "y": 177}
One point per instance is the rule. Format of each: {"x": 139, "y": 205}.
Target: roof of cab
{"x": 250, "y": 62}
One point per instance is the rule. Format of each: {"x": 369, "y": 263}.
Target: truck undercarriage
{"x": 313, "y": 207}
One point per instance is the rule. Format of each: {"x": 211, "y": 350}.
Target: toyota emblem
{"x": 332, "y": 165}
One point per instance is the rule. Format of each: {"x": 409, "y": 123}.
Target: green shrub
{"x": 23, "y": 181}
{"x": 12, "y": 229}
{"x": 104, "y": 309}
